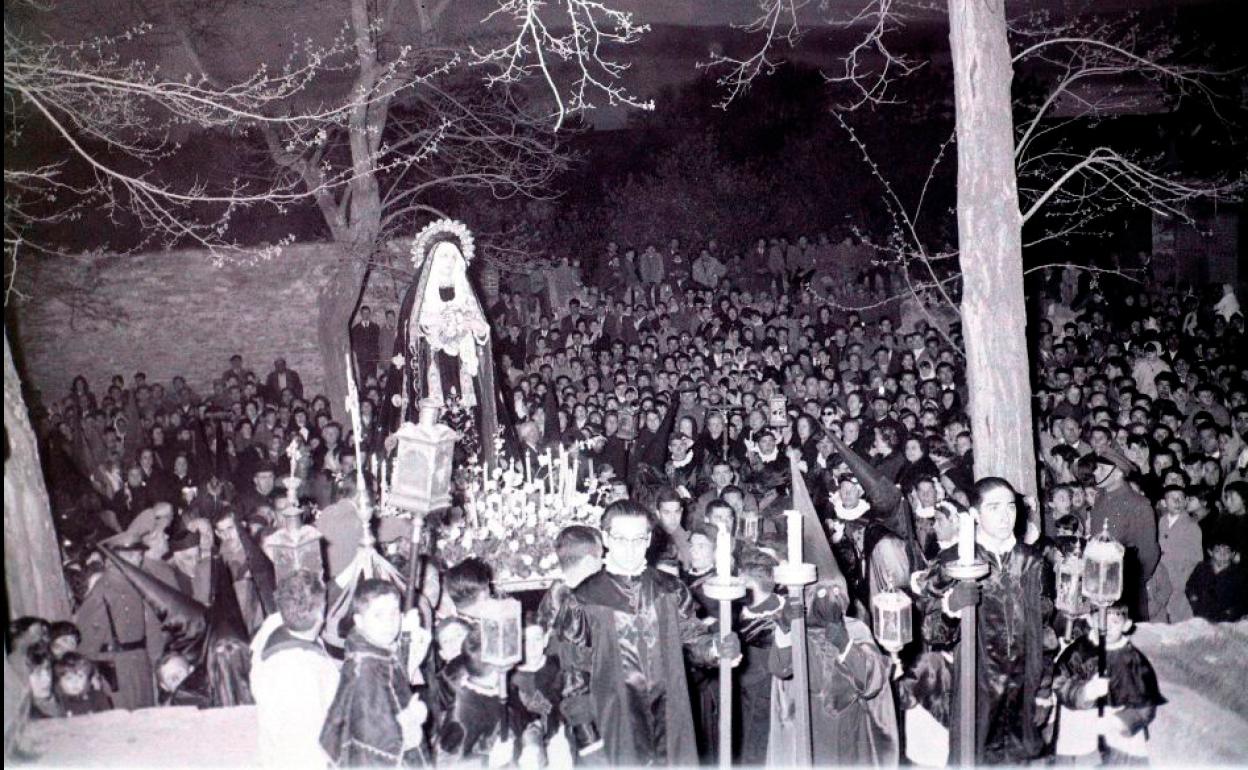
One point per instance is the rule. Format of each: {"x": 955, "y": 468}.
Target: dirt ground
{"x": 1202, "y": 670}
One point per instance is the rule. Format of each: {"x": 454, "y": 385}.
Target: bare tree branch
{"x": 534, "y": 50}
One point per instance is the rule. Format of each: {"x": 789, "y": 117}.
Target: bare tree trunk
{"x": 32, "y": 558}
{"x": 336, "y": 305}
{"x": 994, "y": 317}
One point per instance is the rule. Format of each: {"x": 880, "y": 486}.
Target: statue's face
{"x": 447, "y": 261}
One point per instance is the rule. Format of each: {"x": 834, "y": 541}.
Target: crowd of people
{"x": 713, "y": 394}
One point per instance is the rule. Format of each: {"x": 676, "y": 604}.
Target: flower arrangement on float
{"x": 512, "y": 513}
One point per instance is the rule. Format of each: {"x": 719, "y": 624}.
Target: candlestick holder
{"x": 794, "y": 575}
{"x": 724, "y": 589}
{"x": 967, "y": 572}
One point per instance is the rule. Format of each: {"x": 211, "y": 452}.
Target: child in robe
{"x": 374, "y": 718}
{"x": 535, "y": 691}
{"x": 477, "y": 727}
{"x": 1129, "y": 689}
{"x": 757, "y": 627}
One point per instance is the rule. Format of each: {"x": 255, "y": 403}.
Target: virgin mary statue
{"x": 445, "y": 339}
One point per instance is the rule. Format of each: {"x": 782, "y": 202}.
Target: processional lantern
{"x": 1070, "y": 599}
{"x": 778, "y": 411}
{"x": 748, "y": 526}
{"x": 891, "y": 611}
{"x": 294, "y": 546}
{"x": 627, "y": 431}
{"x": 422, "y": 470}
{"x": 1102, "y": 569}
{"x": 502, "y": 633}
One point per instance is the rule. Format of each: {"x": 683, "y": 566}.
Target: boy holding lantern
{"x": 1128, "y": 688}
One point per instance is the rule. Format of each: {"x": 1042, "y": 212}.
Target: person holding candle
{"x": 757, "y": 628}
{"x": 625, "y": 632}
{"x": 710, "y": 551}
{"x": 853, "y": 719}
{"x": 1013, "y": 675}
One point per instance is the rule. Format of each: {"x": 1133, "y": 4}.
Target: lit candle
{"x": 794, "y": 522}
{"x": 723, "y": 554}
{"x": 966, "y": 539}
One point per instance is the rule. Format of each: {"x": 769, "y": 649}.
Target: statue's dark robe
{"x": 410, "y": 381}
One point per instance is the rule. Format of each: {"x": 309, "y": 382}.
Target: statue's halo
{"x": 439, "y": 231}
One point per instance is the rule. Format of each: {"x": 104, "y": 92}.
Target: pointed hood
{"x": 881, "y": 492}
{"x": 183, "y": 618}
{"x": 261, "y": 567}
{"x": 227, "y": 659}
{"x": 225, "y": 617}
{"x": 815, "y": 547}
{"x": 888, "y": 506}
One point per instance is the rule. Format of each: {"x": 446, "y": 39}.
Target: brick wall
{"x": 168, "y": 313}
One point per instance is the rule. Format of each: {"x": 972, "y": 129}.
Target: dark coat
{"x": 639, "y": 704}
{"x": 362, "y": 726}
{"x": 1011, "y": 668}
{"x": 274, "y": 390}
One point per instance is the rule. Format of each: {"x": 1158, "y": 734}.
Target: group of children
{"x": 62, "y": 683}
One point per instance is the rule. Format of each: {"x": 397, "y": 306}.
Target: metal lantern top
{"x": 502, "y": 632}
{"x": 893, "y": 622}
{"x": 1102, "y": 569}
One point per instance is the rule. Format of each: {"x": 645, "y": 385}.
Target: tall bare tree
{"x": 1008, "y": 175}
{"x": 367, "y": 128}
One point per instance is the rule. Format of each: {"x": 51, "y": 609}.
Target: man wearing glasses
{"x": 624, "y": 633}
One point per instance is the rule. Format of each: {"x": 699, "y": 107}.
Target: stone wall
{"x": 169, "y": 313}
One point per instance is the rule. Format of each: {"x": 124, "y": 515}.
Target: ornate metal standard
{"x": 795, "y": 574}
{"x": 1102, "y": 585}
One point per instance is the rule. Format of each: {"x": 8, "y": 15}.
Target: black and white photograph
{"x": 556, "y": 384}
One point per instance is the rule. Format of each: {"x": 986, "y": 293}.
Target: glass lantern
{"x": 502, "y": 633}
{"x": 893, "y": 622}
{"x": 1102, "y": 569}
{"x": 627, "y": 430}
{"x": 1070, "y": 600}
{"x": 778, "y": 411}
{"x": 422, "y": 469}
{"x": 748, "y": 526}
{"x": 294, "y": 546}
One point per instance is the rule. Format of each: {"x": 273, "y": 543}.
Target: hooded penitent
{"x": 182, "y": 618}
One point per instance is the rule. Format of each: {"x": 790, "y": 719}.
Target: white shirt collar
{"x": 997, "y": 547}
